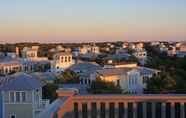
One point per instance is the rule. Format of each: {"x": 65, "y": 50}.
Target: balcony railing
{"x": 43, "y": 104}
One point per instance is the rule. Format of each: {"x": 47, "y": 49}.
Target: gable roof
{"x": 19, "y": 82}
{"x": 114, "y": 71}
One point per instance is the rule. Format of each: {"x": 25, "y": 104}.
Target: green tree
{"x": 67, "y": 77}
{"x": 49, "y": 91}
{"x": 164, "y": 83}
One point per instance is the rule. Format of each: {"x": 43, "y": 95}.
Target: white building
{"x": 132, "y": 46}
{"x": 61, "y": 61}
{"x": 84, "y": 49}
{"x": 183, "y": 48}
{"x": 32, "y": 53}
{"x": 163, "y": 47}
{"x": 10, "y": 66}
{"x": 131, "y": 80}
{"x": 87, "y": 72}
{"x": 128, "y": 79}
{"x": 125, "y": 45}
{"x": 89, "y": 49}
{"x": 59, "y": 48}
{"x": 139, "y": 45}
{"x": 155, "y": 43}
{"x": 140, "y": 53}
{"x": 94, "y": 49}
{"x": 171, "y": 51}
{"x": 21, "y": 96}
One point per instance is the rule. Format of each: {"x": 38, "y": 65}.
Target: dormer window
{"x": 17, "y": 97}
{"x": 23, "y": 95}
{"x": 12, "y": 98}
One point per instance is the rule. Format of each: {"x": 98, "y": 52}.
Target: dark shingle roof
{"x": 20, "y": 81}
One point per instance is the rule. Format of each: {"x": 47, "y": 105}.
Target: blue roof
{"x": 19, "y": 82}
{"x": 147, "y": 71}
{"x": 85, "y": 67}
{"x": 82, "y": 88}
{"x": 118, "y": 56}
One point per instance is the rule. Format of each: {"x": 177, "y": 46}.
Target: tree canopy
{"x": 173, "y": 77}
{"x": 67, "y": 77}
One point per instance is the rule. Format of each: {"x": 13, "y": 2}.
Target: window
{"x": 177, "y": 110}
{"x": 140, "y": 109}
{"x": 111, "y": 110}
{"x": 12, "y": 116}
{"x": 158, "y": 109}
{"x": 121, "y": 110}
{"x": 168, "y": 110}
{"x": 65, "y": 59}
{"x": 18, "y": 97}
{"x": 61, "y": 59}
{"x": 118, "y": 83}
{"x": 76, "y": 113}
{"x": 69, "y": 59}
{"x": 103, "y": 110}
{"x": 85, "y": 81}
{"x": 89, "y": 82}
{"x": 130, "y": 110}
{"x": 93, "y": 110}
{"x": 149, "y": 109}
{"x": 23, "y": 96}
{"x": 84, "y": 110}
{"x": 12, "y": 97}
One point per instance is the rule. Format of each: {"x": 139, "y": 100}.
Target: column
{"x": 134, "y": 110}
{"x": 116, "y": 107}
{"x": 106, "y": 109}
{"x": 182, "y": 110}
{"x": 125, "y": 110}
{"x": 153, "y": 109}
{"x": 98, "y": 109}
{"x": 163, "y": 110}
{"x": 89, "y": 107}
{"x": 80, "y": 109}
{"x": 144, "y": 110}
{"x": 172, "y": 110}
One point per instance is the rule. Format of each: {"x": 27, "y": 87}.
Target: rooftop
{"x": 20, "y": 81}
{"x": 85, "y": 66}
{"x": 114, "y": 71}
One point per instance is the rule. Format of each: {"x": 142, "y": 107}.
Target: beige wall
{"x": 20, "y": 110}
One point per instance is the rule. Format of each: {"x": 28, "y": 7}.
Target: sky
{"x": 51, "y": 21}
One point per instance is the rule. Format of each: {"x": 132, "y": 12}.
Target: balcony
{"x": 43, "y": 104}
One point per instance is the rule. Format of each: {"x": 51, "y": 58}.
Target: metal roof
{"x": 19, "y": 82}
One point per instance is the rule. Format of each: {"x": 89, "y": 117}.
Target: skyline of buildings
{"x": 91, "y": 80}
{"x": 93, "y": 59}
